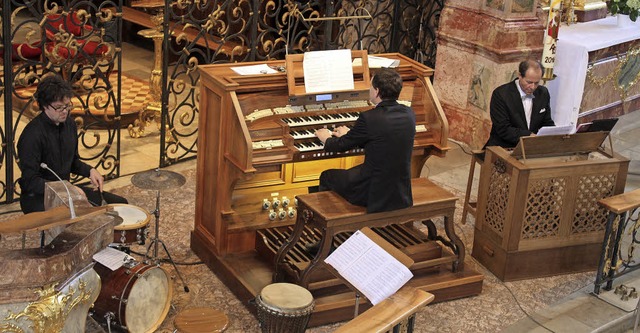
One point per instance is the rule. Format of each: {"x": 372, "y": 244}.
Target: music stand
{"x": 159, "y": 180}
{"x": 397, "y": 254}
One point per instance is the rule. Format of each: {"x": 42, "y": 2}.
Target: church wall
{"x": 480, "y": 43}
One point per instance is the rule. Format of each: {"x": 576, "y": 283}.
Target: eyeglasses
{"x": 61, "y": 108}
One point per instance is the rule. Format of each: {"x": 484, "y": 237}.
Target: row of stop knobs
{"x": 278, "y": 209}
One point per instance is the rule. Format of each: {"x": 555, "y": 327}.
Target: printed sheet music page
{"x": 369, "y": 268}
{"x": 327, "y": 71}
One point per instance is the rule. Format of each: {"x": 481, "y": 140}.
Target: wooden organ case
{"x": 538, "y": 212}
{"x": 257, "y": 151}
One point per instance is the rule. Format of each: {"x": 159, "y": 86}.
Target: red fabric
{"x": 72, "y": 24}
{"x": 90, "y": 48}
{"x": 69, "y": 23}
{"x": 27, "y": 51}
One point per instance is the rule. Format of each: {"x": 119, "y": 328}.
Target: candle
{"x": 551, "y": 38}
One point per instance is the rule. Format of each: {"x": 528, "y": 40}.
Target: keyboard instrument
{"x": 257, "y": 152}
{"x": 257, "y": 143}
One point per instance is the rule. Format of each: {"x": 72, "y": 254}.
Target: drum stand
{"x": 156, "y": 240}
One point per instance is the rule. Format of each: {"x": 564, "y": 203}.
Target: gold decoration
{"x": 49, "y": 313}
{"x": 623, "y": 60}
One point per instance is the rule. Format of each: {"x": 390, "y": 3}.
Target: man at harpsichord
{"x": 520, "y": 107}
{"x": 383, "y": 181}
{"x": 48, "y": 148}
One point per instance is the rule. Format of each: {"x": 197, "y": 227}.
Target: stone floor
{"x": 561, "y": 304}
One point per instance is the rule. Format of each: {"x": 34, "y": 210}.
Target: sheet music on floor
{"x": 369, "y": 268}
{"x": 112, "y": 258}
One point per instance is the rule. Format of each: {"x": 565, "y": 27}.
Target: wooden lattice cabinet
{"x": 537, "y": 207}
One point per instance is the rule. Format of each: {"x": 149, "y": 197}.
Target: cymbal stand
{"x": 156, "y": 240}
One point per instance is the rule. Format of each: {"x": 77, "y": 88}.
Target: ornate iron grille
{"x": 81, "y": 41}
{"x": 220, "y": 31}
{"x": 618, "y": 256}
{"x": 202, "y": 32}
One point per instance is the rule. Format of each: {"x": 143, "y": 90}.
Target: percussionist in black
{"x": 52, "y": 138}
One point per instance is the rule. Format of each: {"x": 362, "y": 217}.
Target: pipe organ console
{"x": 256, "y": 142}
{"x": 257, "y": 151}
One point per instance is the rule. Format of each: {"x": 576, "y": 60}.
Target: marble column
{"x": 480, "y": 43}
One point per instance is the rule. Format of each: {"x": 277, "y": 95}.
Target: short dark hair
{"x": 52, "y": 88}
{"x": 529, "y": 63}
{"x": 388, "y": 82}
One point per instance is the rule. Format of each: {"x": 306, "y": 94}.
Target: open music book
{"x": 369, "y": 268}
{"x": 597, "y": 125}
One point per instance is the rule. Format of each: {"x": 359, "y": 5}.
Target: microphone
{"x": 71, "y": 208}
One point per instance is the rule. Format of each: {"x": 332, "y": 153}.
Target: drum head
{"x": 133, "y": 217}
{"x": 286, "y": 296}
{"x": 149, "y": 300}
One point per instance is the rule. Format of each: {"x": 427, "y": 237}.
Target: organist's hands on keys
{"x": 323, "y": 134}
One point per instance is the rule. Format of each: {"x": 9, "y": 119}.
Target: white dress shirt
{"x": 527, "y": 103}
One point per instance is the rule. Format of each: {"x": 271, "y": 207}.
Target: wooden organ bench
{"x": 331, "y": 215}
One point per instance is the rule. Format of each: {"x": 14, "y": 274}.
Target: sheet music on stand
{"x": 369, "y": 268}
{"x": 326, "y": 71}
{"x": 112, "y": 258}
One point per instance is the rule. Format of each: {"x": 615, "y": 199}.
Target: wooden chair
{"x": 397, "y": 310}
{"x": 469, "y": 207}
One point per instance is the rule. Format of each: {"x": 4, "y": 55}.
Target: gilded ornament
{"x": 623, "y": 77}
{"x": 49, "y": 313}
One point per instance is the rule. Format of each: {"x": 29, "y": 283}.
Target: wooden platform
{"x": 327, "y": 219}
{"x": 247, "y": 273}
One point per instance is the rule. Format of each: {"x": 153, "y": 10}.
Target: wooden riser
{"x": 519, "y": 265}
{"x": 246, "y": 274}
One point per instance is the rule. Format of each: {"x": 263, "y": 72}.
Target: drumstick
{"x": 104, "y": 202}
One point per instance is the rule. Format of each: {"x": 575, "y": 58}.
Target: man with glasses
{"x": 52, "y": 138}
{"x": 519, "y": 108}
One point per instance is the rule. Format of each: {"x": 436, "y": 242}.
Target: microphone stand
{"x": 71, "y": 207}
{"x": 72, "y": 210}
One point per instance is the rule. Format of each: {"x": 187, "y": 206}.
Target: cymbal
{"x": 157, "y": 179}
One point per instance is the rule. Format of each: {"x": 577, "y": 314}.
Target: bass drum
{"x": 134, "y": 298}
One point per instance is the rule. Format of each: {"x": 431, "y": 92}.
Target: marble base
{"x": 31, "y": 269}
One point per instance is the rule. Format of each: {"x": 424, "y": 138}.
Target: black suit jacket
{"x": 507, "y": 115}
{"x": 383, "y": 181}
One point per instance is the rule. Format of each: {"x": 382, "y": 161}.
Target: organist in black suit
{"x": 519, "y": 108}
{"x": 383, "y": 181}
